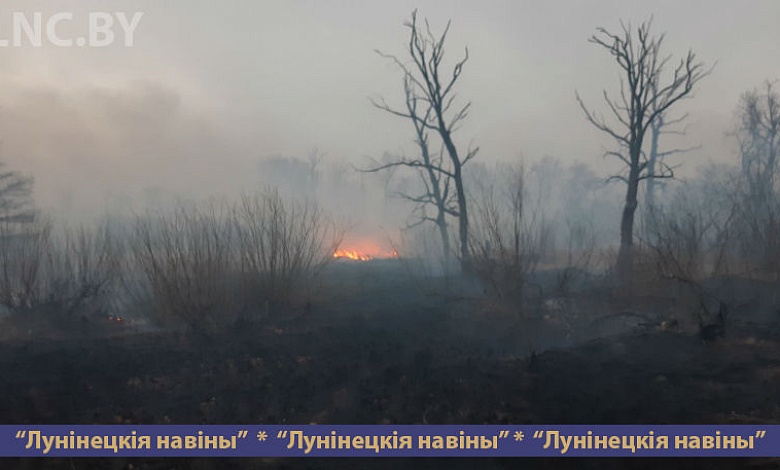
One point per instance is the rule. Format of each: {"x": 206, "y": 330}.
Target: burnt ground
{"x": 385, "y": 347}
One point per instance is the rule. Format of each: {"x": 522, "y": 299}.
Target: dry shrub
{"x": 186, "y": 257}
{"x": 694, "y": 236}
{"x": 57, "y": 280}
{"x": 87, "y": 265}
{"x": 580, "y": 257}
{"x": 283, "y": 248}
{"x": 688, "y": 242}
{"x": 209, "y": 266}
{"x": 507, "y": 238}
{"x": 25, "y": 250}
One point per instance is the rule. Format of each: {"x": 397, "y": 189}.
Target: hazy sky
{"x": 210, "y": 87}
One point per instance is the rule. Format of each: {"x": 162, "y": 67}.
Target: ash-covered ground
{"x": 386, "y": 346}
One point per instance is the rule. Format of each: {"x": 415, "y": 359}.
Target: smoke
{"x": 95, "y": 148}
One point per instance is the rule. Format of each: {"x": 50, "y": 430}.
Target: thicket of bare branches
{"x": 186, "y": 259}
{"x": 87, "y": 261}
{"x": 208, "y": 266}
{"x": 580, "y": 256}
{"x": 200, "y": 265}
{"x": 509, "y": 233}
{"x": 25, "y": 251}
{"x": 282, "y": 246}
{"x": 58, "y": 276}
{"x": 16, "y": 202}
{"x": 726, "y": 221}
{"x": 693, "y": 238}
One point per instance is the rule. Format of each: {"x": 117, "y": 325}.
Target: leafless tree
{"x": 430, "y": 105}
{"x": 437, "y": 186}
{"x": 656, "y": 161}
{"x": 314, "y": 159}
{"x": 15, "y": 197}
{"x": 758, "y": 134}
{"x": 644, "y": 95}
{"x": 759, "y": 141}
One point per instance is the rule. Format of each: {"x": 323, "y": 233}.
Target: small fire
{"x": 364, "y": 251}
{"x": 351, "y": 254}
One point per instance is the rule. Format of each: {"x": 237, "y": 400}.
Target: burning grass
{"x": 351, "y": 254}
{"x": 363, "y": 250}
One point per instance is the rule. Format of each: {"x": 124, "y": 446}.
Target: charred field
{"x": 387, "y": 347}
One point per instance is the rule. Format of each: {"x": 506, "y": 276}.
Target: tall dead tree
{"x": 430, "y": 105}
{"x": 644, "y": 95}
{"x": 437, "y": 185}
{"x": 758, "y": 134}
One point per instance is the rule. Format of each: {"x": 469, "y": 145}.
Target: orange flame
{"x": 351, "y": 254}
{"x": 364, "y": 251}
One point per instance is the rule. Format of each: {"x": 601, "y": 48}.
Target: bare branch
{"x": 678, "y": 150}
{"x": 406, "y": 163}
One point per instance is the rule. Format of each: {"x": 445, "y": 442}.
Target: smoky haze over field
{"x": 209, "y": 92}
{"x": 333, "y": 212}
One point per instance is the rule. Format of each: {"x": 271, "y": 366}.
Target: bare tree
{"x": 644, "y": 96}
{"x": 437, "y": 186}
{"x": 314, "y": 159}
{"x": 759, "y": 141}
{"x": 15, "y": 197}
{"x": 430, "y": 105}
{"x": 661, "y": 125}
{"x": 758, "y": 134}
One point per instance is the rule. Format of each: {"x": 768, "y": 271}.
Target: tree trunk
{"x": 626, "y": 252}
{"x": 463, "y": 220}
{"x": 650, "y": 196}
{"x": 460, "y": 191}
{"x": 441, "y": 204}
{"x": 441, "y": 222}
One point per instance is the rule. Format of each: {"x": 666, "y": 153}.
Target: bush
{"x": 283, "y": 248}
{"x": 508, "y": 237}
{"x": 186, "y": 258}
{"x": 209, "y": 266}
{"x": 57, "y": 280}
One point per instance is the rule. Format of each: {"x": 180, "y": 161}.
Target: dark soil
{"x": 380, "y": 349}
